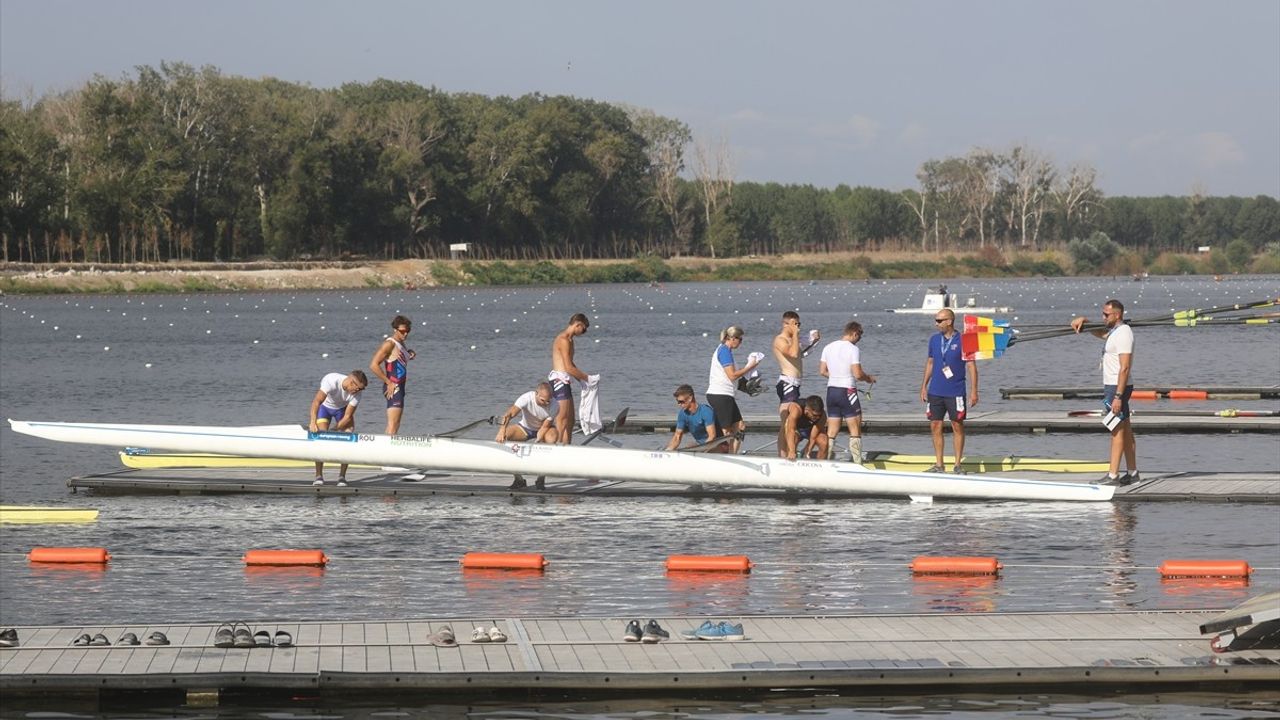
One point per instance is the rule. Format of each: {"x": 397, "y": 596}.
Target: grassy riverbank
{"x": 222, "y": 277}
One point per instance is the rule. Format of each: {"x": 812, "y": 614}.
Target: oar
{"x": 458, "y": 431}
{"x": 610, "y": 426}
{"x": 1185, "y": 413}
{"x": 1188, "y": 314}
{"x": 1180, "y": 315}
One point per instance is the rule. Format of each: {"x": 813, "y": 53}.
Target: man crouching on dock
{"x": 563, "y": 372}
{"x": 334, "y": 408}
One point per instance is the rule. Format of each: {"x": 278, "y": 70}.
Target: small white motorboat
{"x": 937, "y": 298}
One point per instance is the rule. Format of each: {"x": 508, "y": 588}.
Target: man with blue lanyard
{"x": 1117, "y": 388}
{"x": 943, "y": 389}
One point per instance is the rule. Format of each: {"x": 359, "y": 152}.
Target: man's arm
{"x": 676, "y": 437}
{"x": 1078, "y": 322}
{"x": 859, "y": 374}
{"x": 563, "y": 349}
{"x": 822, "y": 369}
{"x": 971, "y": 369}
{"x": 924, "y": 385}
{"x": 315, "y": 408}
{"x": 504, "y": 421}
{"x": 348, "y": 418}
{"x": 375, "y": 366}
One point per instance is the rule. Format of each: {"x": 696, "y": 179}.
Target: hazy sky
{"x": 1160, "y": 97}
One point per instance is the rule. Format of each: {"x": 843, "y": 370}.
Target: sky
{"x": 1161, "y": 97}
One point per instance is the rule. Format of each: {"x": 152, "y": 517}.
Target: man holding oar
{"x": 1117, "y": 387}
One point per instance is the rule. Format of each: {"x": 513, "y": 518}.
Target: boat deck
{"x": 1004, "y": 421}
{"x": 1222, "y": 487}
{"x": 1066, "y": 649}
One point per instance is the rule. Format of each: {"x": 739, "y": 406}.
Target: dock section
{"x": 1067, "y": 650}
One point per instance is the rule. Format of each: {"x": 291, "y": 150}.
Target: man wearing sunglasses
{"x": 1117, "y": 388}
{"x": 944, "y": 386}
{"x": 692, "y": 417}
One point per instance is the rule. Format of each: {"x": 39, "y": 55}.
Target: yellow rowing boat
{"x": 148, "y": 460}
{"x": 985, "y": 463}
{"x": 36, "y": 514}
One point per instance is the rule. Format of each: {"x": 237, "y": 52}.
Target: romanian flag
{"x": 984, "y": 338}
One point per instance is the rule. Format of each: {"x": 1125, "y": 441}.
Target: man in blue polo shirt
{"x": 696, "y": 419}
{"x": 943, "y": 389}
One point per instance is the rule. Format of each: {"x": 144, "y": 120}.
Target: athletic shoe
{"x": 318, "y": 481}
{"x": 9, "y": 637}
{"x": 1108, "y": 479}
{"x": 936, "y": 469}
{"x": 1130, "y": 478}
{"x": 632, "y": 632}
{"x": 653, "y": 632}
{"x": 722, "y": 631}
{"x": 693, "y": 634}
{"x": 958, "y": 470}
{"x": 128, "y": 639}
{"x": 518, "y": 484}
{"x": 342, "y": 481}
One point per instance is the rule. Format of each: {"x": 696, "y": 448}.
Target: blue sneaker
{"x": 693, "y": 634}
{"x": 722, "y": 631}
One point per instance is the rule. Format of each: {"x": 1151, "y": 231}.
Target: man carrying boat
{"x": 841, "y": 364}
{"x": 692, "y": 417}
{"x": 943, "y": 389}
{"x": 534, "y": 410}
{"x": 564, "y": 372}
{"x": 1117, "y": 388}
{"x": 389, "y": 364}
{"x": 334, "y": 408}
{"x": 790, "y": 356}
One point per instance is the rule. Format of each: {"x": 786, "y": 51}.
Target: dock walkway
{"x": 1068, "y": 649}
{"x": 1155, "y": 486}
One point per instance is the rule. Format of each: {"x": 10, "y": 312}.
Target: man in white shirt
{"x": 1117, "y": 387}
{"x": 841, "y": 364}
{"x": 532, "y": 413}
{"x": 334, "y": 408}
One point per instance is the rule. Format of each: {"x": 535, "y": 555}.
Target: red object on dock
{"x": 1205, "y": 568}
{"x": 1143, "y": 395}
{"x": 94, "y": 555}
{"x": 943, "y": 565}
{"x": 709, "y": 563}
{"x": 286, "y": 557}
{"x": 507, "y": 561}
{"x": 1188, "y": 395}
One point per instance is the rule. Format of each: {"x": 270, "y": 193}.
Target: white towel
{"x": 589, "y": 405}
{"x": 754, "y": 357}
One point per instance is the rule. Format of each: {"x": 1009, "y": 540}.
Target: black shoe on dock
{"x": 8, "y": 637}
{"x": 632, "y": 632}
{"x": 518, "y": 484}
{"x": 653, "y": 633}
{"x": 1130, "y": 478}
{"x": 540, "y": 483}
{"x": 1109, "y": 479}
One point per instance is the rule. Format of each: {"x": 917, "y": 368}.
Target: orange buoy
{"x": 1188, "y": 395}
{"x": 925, "y": 565}
{"x": 286, "y": 557}
{"x": 1205, "y": 568}
{"x": 1143, "y": 395}
{"x": 709, "y": 563}
{"x": 95, "y": 555}
{"x": 506, "y": 561}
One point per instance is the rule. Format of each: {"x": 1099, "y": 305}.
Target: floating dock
{"x": 1228, "y": 392}
{"x": 1155, "y": 486}
{"x": 1002, "y": 421}
{"x": 1069, "y": 650}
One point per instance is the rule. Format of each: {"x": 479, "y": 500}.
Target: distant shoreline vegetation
{"x": 416, "y": 274}
{"x": 179, "y": 163}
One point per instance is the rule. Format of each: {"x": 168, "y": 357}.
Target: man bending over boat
{"x": 563, "y": 373}
{"x": 692, "y": 417}
{"x": 390, "y": 365}
{"x": 334, "y": 408}
{"x": 790, "y": 356}
{"x": 1117, "y": 388}
{"x": 944, "y": 386}
{"x": 532, "y": 415}
{"x": 842, "y": 365}
{"x": 812, "y": 429}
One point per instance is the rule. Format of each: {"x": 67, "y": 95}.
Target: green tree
{"x": 1091, "y": 254}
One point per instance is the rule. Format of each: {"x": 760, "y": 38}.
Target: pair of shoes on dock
{"x": 520, "y": 483}
{"x": 481, "y": 634}
{"x": 651, "y": 633}
{"x": 9, "y": 637}
{"x": 128, "y": 639}
{"x": 240, "y": 635}
{"x": 722, "y": 630}
{"x": 342, "y": 481}
{"x": 1128, "y": 478}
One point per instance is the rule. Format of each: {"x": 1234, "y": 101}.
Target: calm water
{"x": 254, "y": 359}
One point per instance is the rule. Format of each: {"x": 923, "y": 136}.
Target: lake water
{"x": 239, "y": 359}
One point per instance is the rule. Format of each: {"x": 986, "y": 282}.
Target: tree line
{"x": 177, "y": 162}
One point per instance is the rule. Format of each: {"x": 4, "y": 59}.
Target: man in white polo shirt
{"x": 1117, "y": 387}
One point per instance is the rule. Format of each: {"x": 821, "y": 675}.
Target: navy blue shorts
{"x": 332, "y": 415}
{"x": 788, "y": 392}
{"x": 1109, "y": 394}
{"x": 561, "y": 390}
{"x": 843, "y": 403}
{"x": 397, "y": 400}
{"x": 940, "y": 406}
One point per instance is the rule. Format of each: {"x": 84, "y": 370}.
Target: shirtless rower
{"x": 563, "y": 372}
{"x": 790, "y": 356}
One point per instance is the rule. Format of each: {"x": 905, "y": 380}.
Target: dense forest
{"x": 183, "y": 163}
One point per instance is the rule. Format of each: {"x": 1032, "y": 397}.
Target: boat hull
{"x": 429, "y": 452}
{"x": 146, "y": 459}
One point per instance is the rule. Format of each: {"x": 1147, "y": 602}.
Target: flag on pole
{"x": 984, "y": 338}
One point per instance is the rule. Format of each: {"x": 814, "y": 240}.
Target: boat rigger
{"x": 431, "y": 452}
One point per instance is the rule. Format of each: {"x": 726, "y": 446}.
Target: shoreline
{"x": 183, "y": 277}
